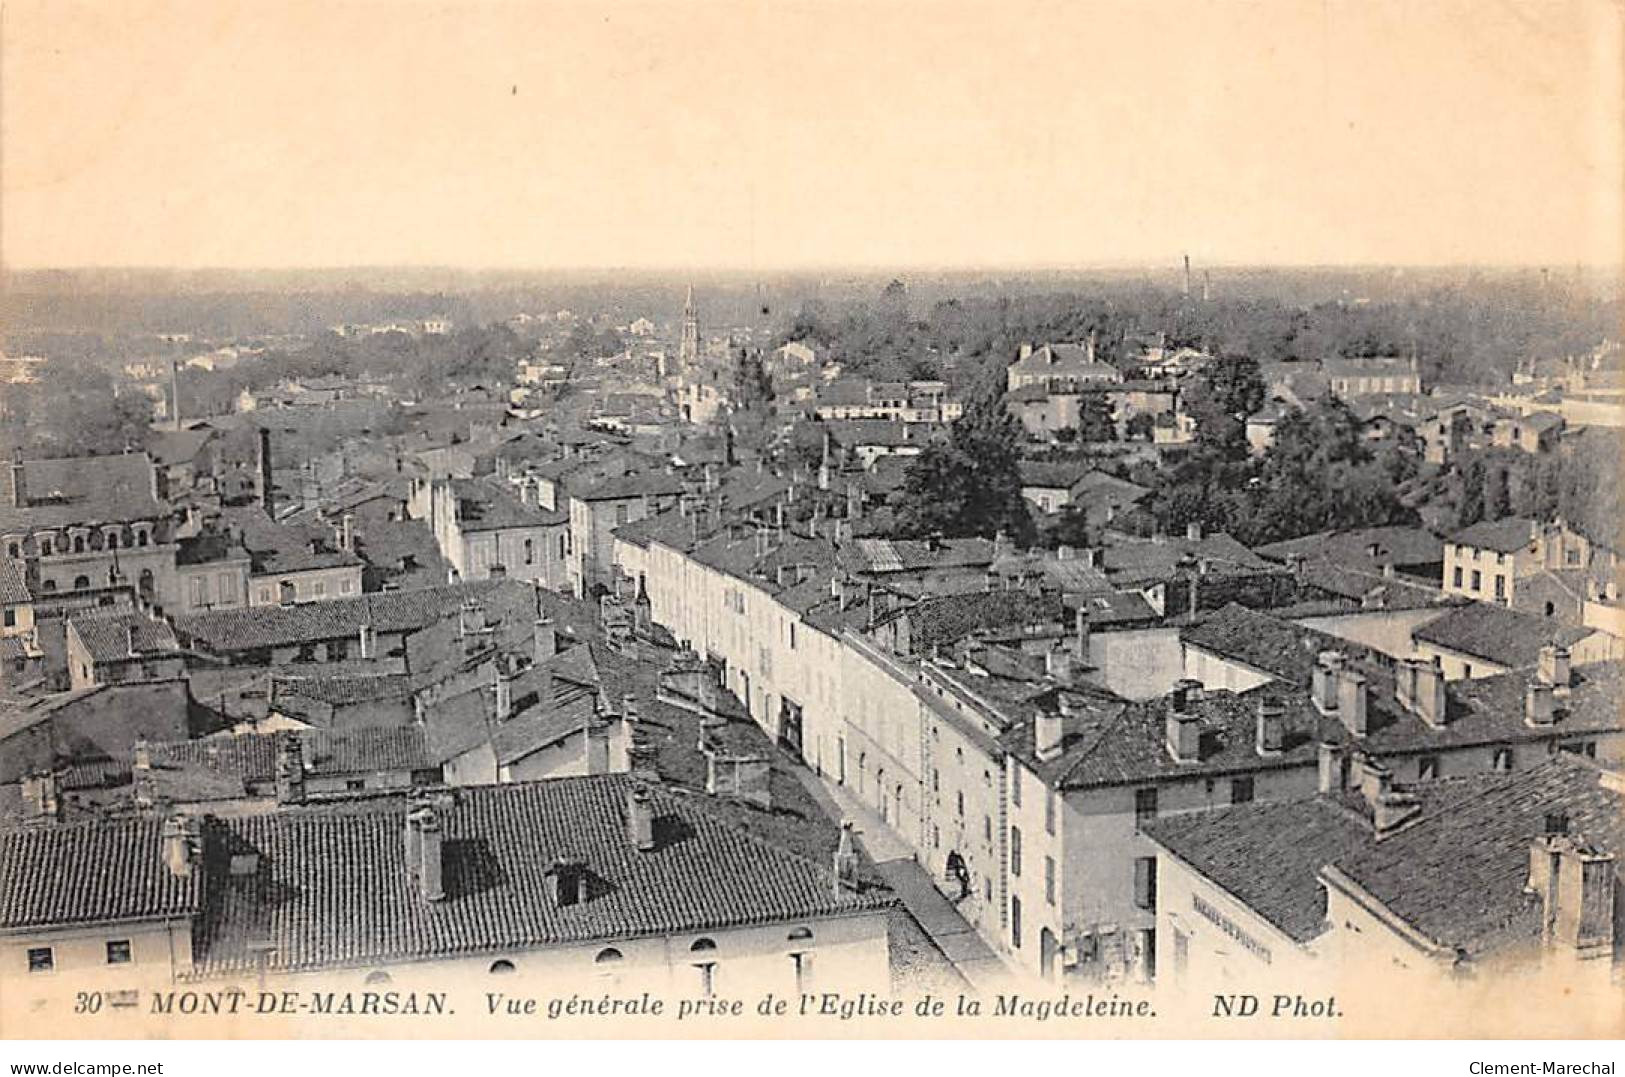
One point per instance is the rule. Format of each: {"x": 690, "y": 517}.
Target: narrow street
{"x": 963, "y": 948}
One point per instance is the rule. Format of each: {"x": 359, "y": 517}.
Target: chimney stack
{"x": 175, "y": 391}
{"x": 290, "y": 769}
{"x": 1193, "y": 531}
{"x": 19, "y": 480}
{"x": 367, "y": 641}
{"x": 1058, "y": 663}
{"x": 640, "y": 818}
{"x": 596, "y": 738}
{"x": 1048, "y": 734}
{"x": 262, "y": 471}
{"x": 1080, "y": 623}
{"x": 1351, "y": 702}
{"x": 503, "y": 691}
{"x": 41, "y": 795}
{"x": 1183, "y": 728}
{"x": 1576, "y": 885}
{"x": 182, "y": 844}
{"x": 130, "y": 648}
{"x": 1539, "y": 704}
{"x": 1554, "y": 665}
{"x": 425, "y": 850}
{"x": 846, "y": 861}
{"x": 1271, "y": 739}
{"x": 1430, "y": 701}
{"x": 1333, "y": 769}
{"x": 348, "y": 533}
{"x": 1324, "y": 680}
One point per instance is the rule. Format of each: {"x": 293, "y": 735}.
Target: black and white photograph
{"x": 785, "y": 519}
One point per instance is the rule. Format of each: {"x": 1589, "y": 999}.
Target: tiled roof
{"x": 286, "y": 547}
{"x": 1505, "y": 536}
{"x": 252, "y": 756}
{"x": 106, "y": 635}
{"x": 1458, "y": 877}
{"x": 169, "y": 447}
{"x": 225, "y": 631}
{"x": 484, "y": 505}
{"x": 1133, "y": 558}
{"x": 944, "y": 619}
{"x": 343, "y": 896}
{"x": 343, "y": 690}
{"x": 1400, "y": 546}
{"x": 1051, "y": 475}
{"x": 91, "y": 872}
{"x": 1280, "y": 648}
{"x": 1386, "y": 592}
{"x": 637, "y": 484}
{"x": 13, "y": 586}
{"x": 1065, "y": 361}
{"x": 1269, "y": 855}
{"x": 81, "y": 490}
{"x": 881, "y": 432}
{"x": 1098, "y": 486}
{"x": 1505, "y": 637}
{"x": 905, "y": 555}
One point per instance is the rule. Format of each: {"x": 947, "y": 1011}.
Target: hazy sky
{"x": 782, "y": 134}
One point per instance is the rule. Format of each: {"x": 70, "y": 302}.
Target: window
{"x": 338, "y": 650}
{"x": 355, "y": 785}
{"x": 1241, "y": 790}
{"x": 1551, "y": 608}
{"x": 1500, "y": 587}
{"x": 707, "y": 973}
{"x": 1145, "y": 805}
{"x": 959, "y": 803}
{"x": 608, "y": 956}
{"x": 801, "y": 965}
{"x": 200, "y": 591}
{"x": 41, "y": 959}
{"x": 1015, "y": 851}
{"x": 10, "y": 618}
{"x": 112, "y": 540}
{"x": 307, "y": 653}
{"x": 702, "y": 946}
{"x": 1015, "y": 922}
{"x": 1456, "y": 577}
{"x": 346, "y": 586}
{"x": 1501, "y": 759}
{"x": 45, "y": 547}
{"x": 319, "y": 588}
{"x": 1015, "y": 786}
{"x": 530, "y": 551}
{"x": 792, "y": 635}
{"x": 1467, "y": 670}
{"x": 226, "y": 589}
{"x": 502, "y": 967}
{"x": 987, "y": 829}
{"x": 1427, "y": 767}
{"x": 81, "y": 583}
{"x": 1049, "y": 880}
{"x": 118, "y": 951}
{"x": 1145, "y": 883}
{"x": 1478, "y": 580}
{"x": 15, "y": 551}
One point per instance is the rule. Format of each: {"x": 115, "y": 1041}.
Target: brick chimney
{"x": 846, "y": 861}
{"x": 290, "y": 769}
{"x": 347, "y": 532}
{"x": 1048, "y": 734}
{"x": 1576, "y": 885}
{"x": 182, "y": 845}
{"x": 1554, "y": 665}
{"x": 640, "y": 818}
{"x": 1183, "y": 728}
{"x": 502, "y": 706}
{"x": 1271, "y": 734}
{"x": 1351, "y": 702}
{"x": 1539, "y": 704}
{"x": 546, "y": 638}
{"x": 425, "y": 850}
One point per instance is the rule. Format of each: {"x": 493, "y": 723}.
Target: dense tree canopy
{"x": 971, "y": 485}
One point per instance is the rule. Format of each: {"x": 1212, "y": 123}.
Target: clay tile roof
{"x": 90, "y": 872}
{"x": 81, "y": 490}
{"x": 106, "y": 635}
{"x": 342, "y": 895}
{"x": 1505, "y": 637}
{"x": 1506, "y": 536}
{"x": 13, "y": 587}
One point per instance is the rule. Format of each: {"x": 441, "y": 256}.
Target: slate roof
{"x": 81, "y": 490}
{"x": 1500, "y": 635}
{"x": 1505, "y": 536}
{"x": 91, "y": 872}
{"x": 225, "y": 631}
{"x": 1458, "y": 877}
{"x": 106, "y": 635}
{"x": 334, "y": 891}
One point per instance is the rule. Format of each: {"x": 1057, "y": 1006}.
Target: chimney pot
{"x": 182, "y": 844}
{"x": 1351, "y": 702}
{"x": 1271, "y": 740}
{"x": 1333, "y": 769}
{"x": 1048, "y": 735}
{"x": 1539, "y": 704}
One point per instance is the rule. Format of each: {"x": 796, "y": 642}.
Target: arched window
{"x": 608, "y": 956}
{"x": 46, "y": 546}
{"x": 141, "y": 538}
{"x": 502, "y": 967}
{"x": 81, "y": 583}
{"x": 800, "y": 934}
{"x": 112, "y": 540}
{"x": 78, "y": 544}
{"x": 702, "y": 946}
{"x": 48, "y": 585}
{"x": 1551, "y": 608}
{"x": 14, "y": 550}
{"x": 379, "y": 977}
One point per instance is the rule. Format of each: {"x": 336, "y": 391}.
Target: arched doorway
{"x": 1048, "y": 950}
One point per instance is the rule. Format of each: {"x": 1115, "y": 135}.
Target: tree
{"x": 1220, "y": 401}
{"x": 1139, "y": 427}
{"x": 1069, "y": 528}
{"x": 1095, "y": 421}
{"x": 972, "y": 485}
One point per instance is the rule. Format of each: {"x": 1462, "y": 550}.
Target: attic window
{"x": 702, "y": 946}
{"x": 608, "y": 956}
{"x": 502, "y": 967}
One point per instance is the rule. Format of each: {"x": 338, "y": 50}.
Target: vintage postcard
{"x": 802, "y": 518}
